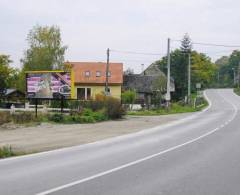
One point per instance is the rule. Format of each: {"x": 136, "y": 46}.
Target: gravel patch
{"x": 48, "y": 136}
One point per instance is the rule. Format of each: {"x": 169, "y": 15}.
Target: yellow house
{"x": 90, "y": 79}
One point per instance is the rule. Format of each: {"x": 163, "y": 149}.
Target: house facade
{"x": 90, "y": 79}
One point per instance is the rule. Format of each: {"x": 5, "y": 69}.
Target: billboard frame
{"x": 72, "y": 96}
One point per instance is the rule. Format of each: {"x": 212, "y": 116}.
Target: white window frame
{"x": 87, "y": 73}
{"x": 98, "y": 73}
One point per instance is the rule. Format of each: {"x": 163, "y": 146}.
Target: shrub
{"x": 86, "y": 119}
{"x": 114, "y": 109}
{"x": 23, "y": 117}
{"x": 5, "y": 117}
{"x": 128, "y": 97}
{"x": 6, "y": 151}
{"x": 100, "y": 97}
{"x": 57, "y": 103}
{"x": 100, "y": 116}
{"x": 96, "y": 105}
{"x": 56, "y": 118}
{"x": 87, "y": 112}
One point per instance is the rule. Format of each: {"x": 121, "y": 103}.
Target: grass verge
{"x": 6, "y": 151}
{"x": 175, "y": 109}
{"x": 237, "y": 91}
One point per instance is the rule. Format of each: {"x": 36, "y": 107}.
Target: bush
{"x": 5, "y": 117}
{"x": 57, "y": 103}
{"x": 128, "y": 97}
{"x": 96, "y": 105}
{"x": 114, "y": 109}
{"x": 56, "y": 118}
{"x": 100, "y": 116}
{"x": 86, "y": 119}
{"x": 6, "y": 152}
{"x": 23, "y": 117}
{"x": 87, "y": 112}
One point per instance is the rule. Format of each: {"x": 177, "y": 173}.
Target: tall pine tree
{"x": 179, "y": 67}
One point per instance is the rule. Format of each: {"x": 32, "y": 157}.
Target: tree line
{"x": 46, "y": 52}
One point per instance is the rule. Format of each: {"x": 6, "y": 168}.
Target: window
{"x": 84, "y": 93}
{"x": 88, "y": 95}
{"x": 87, "y": 73}
{"x": 81, "y": 93}
{"x": 98, "y": 73}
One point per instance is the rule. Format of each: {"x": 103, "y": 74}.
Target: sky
{"x": 89, "y": 27}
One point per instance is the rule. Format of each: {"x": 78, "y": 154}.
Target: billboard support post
{"x": 36, "y": 105}
{"x": 61, "y": 104}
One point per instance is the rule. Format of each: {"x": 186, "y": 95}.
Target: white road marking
{"x": 139, "y": 160}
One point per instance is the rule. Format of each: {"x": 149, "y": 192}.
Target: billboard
{"x": 49, "y": 84}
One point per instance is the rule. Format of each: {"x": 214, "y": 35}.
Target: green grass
{"x": 175, "y": 108}
{"x": 6, "y": 151}
{"x": 237, "y": 91}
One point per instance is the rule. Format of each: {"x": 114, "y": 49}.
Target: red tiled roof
{"x": 79, "y": 69}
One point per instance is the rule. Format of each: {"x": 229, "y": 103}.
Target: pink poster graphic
{"x": 49, "y": 85}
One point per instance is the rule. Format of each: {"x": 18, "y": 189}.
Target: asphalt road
{"x": 196, "y": 155}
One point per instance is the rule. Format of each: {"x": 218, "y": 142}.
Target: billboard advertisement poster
{"x": 49, "y": 84}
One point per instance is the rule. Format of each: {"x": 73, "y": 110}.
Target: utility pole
{"x": 233, "y": 76}
{"x": 168, "y": 95}
{"x": 238, "y": 73}
{"x": 107, "y": 72}
{"x": 189, "y": 77}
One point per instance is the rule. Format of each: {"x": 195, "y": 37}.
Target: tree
{"x": 45, "y": 49}
{"x": 178, "y": 72}
{"x": 179, "y": 67}
{"x": 227, "y": 67}
{"x": 8, "y": 75}
{"x": 186, "y": 44}
{"x": 4, "y": 72}
{"x": 203, "y": 70}
{"x": 129, "y": 97}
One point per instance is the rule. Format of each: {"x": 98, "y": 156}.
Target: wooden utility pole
{"x": 107, "y": 72}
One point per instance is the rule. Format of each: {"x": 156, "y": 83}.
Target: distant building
{"x": 12, "y": 96}
{"x": 90, "y": 78}
{"x": 150, "y": 83}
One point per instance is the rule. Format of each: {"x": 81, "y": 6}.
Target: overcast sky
{"x": 89, "y": 27}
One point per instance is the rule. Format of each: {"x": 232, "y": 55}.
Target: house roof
{"x": 153, "y": 70}
{"x": 79, "y": 69}
{"x": 140, "y": 83}
{"x": 10, "y": 91}
{"x": 150, "y": 80}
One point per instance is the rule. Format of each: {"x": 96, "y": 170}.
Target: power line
{"x": 134, "y": 60}
{"x": 210, "y": 44}
{"x": 137, "y": 53}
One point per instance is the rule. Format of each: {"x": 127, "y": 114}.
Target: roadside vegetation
{"x": 175, "y": 108}
{"x": 6, "y": 151}
{"x": 102, "y": 109}
{"x": 237, "y": 91}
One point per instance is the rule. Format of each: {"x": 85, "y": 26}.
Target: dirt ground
{"x": 52, "y": 136}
